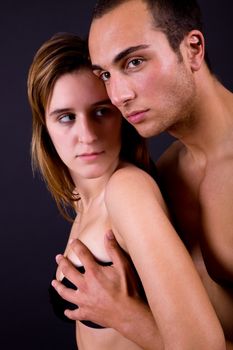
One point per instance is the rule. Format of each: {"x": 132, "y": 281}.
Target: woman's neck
{"x": 92, "y": 190}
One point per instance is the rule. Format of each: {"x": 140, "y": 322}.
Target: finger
{"x": 84, "y": 255}
{"x": 75, "y": 315}
{"x": 80, "y": 315}
{"x": 68, "y": 294}
{"x": 67, "y": 269}
{"x": 116, "y": 253}
{"x": 59, "y": 274}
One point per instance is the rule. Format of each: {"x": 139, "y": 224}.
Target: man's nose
{"x": 120, "y": 91}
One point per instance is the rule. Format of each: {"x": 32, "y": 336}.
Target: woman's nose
{"x": 86, "y": 131}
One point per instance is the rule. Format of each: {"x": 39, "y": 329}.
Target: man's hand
{"x": 108, "y": 295}
{"x": 103, "y": 290}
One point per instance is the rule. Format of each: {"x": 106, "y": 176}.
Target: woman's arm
{"x": 177, "y": 298}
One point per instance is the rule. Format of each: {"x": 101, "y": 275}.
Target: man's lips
{"x": 136, "y": 116}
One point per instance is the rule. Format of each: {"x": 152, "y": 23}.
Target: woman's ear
{"x": 194, "y": 43}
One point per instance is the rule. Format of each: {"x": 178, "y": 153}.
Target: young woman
{"x": 95, "y": 162}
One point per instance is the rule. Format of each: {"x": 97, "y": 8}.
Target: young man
{"x": 150, "y": 55}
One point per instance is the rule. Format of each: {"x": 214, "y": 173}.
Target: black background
{"x": 32, "y": 231}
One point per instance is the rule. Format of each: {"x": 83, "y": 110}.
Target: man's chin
{"x": 146, "y": 131}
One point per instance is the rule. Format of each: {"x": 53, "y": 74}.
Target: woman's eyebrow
{"x": 58, "y": 111}
{"x": 102, "y": 102}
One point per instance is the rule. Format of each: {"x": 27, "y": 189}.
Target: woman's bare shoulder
{"x": 129, "y": 175}
{"x": 131, "y": 181}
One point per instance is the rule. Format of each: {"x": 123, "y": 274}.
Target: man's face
{"x": 150, "y": 83}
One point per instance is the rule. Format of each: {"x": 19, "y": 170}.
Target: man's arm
{"x": 108, "y": 295}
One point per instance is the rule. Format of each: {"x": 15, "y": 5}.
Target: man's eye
{"x": 66, "y": 118}
{"x": 135, "y": 62}
{"x": 104, "y": 76}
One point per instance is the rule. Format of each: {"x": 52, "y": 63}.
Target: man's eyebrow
{"x": 128, "y": 51}
{"x": 96, "y": 67}
{"x": 122, "y": 55}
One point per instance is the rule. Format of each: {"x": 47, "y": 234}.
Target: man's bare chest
{"x": 181, "y": 194}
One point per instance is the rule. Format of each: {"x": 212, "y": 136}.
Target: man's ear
{"x": 194, "y": 43}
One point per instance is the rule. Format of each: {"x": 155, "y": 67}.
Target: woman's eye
{"x": 66, "y": 118}
{"x": 135, "y": 62}
{"x": 101, "y": 112}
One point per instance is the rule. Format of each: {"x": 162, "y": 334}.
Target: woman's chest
{"x": 90, "y": 229}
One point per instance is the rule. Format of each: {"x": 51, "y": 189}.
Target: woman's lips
{"x": 90, "y": 155}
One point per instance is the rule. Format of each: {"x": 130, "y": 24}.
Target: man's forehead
{"x": 127, "y": 13}
{"x": 117, "y": 30}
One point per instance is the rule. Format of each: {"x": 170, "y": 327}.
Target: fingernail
{"x": 58, "y": 258}
{"x": 53, "y": 283}
{"x": 71, "y": 240}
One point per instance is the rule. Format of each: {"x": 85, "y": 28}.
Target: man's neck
{"x": 210, "y": 126}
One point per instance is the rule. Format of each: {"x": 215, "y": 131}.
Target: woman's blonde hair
{"x": 66, "y": 53}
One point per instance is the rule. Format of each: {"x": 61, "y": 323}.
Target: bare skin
{"x": 101, "y": 278}
{"x": 196, "y": 172}
{"x": 86, "y": 228}
{"x": 79, "y": 119}
{"x": 171, "y": 295}
{"x": 204, "y": 193}
{"x": 202, "y": 186}
{"x": 80, "y": 124}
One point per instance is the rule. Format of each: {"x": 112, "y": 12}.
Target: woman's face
{"x": 84, "y": 126}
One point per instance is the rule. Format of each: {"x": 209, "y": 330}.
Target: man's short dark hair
{"x": 175, "y": 18}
